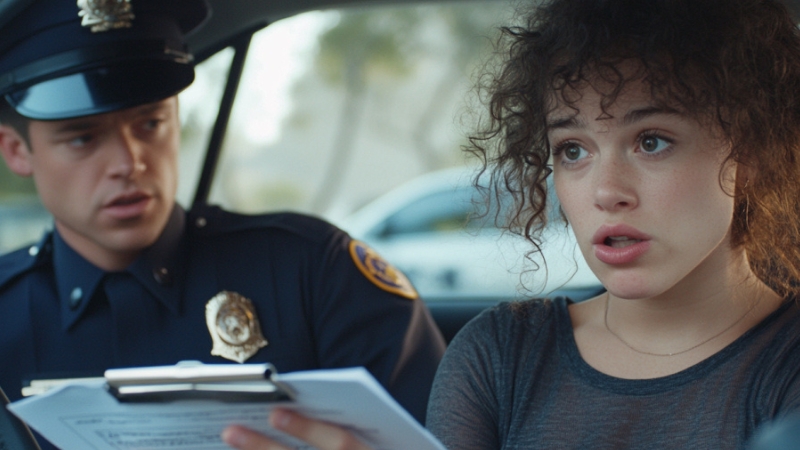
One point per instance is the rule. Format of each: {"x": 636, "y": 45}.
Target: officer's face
{"x": 109, "y": 180}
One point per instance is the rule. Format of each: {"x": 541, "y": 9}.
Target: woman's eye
{"x": 653, "y": 144}
{"x": 573, "y": 152}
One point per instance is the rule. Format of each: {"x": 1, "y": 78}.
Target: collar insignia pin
{"x": 234, "y": 328}
{"x": 104, "y": 15}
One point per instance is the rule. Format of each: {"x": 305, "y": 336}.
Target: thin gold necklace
{"x": 605, "y": 320}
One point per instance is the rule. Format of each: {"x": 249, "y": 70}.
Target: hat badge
{"x": 104, "y": 15}
{"x": 234, "y": 328}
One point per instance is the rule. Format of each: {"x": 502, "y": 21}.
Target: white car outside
{"x": 421, "y": 228}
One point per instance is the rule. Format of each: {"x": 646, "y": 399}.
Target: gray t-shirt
{"x": 513, "y": 379}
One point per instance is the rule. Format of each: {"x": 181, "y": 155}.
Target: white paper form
{"x": 86, "y": 416}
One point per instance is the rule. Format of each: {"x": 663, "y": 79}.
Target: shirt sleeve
{"x": 782, "y": 375}
{"x": 463, "y": 407}
{"x": 358, "y": 323}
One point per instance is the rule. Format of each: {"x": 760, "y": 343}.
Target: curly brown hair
{"x": 734, "y": 63}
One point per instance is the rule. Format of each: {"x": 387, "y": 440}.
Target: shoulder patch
{"x": 380, "y": 272}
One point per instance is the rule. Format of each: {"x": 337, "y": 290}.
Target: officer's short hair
{"x": 60, "y": 59}
{"x": 10, "y": 117}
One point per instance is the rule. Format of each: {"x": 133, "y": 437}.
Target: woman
{"x": 672, "y": 129}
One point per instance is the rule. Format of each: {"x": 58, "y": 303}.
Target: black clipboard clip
{"x": 193, "y": 380}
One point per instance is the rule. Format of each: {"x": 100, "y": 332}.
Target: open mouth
{"x": 128, "y": 200}
{"x": 620, "y": 241}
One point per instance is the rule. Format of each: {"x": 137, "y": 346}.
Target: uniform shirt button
{"x": 75, "y": 297}
{"x": 33, "y": 251}
{"x": 201, "y": 222}
{"x": 162, "y": 275}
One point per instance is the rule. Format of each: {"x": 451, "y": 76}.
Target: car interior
{"x": 395, "y": 41}
{"x": 322, "y": 106}
{"x": 235, "y": 28}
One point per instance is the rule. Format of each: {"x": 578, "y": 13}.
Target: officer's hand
{"x": 321, "y": 435}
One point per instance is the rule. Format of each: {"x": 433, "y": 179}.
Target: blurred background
{"x": 358, "y": 116}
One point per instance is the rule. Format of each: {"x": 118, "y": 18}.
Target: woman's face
{"x": 641, "y": 186}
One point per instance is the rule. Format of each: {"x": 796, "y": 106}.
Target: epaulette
{"x": 20, "y": 261}
{"x": 212, "y": 220}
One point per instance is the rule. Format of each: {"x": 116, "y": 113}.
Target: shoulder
{"x": 782, "y": 334}
{"x": 212, "y": 221}
{"x": 510, "y": 325}
{"x": 774, "y": 346}
{"x": 779, "y": 333}
{"x": 294, "y": 239}
{"x": 481, "y": 366}
{"x": 17, "y": 263}
{"x": 525, "y": 313}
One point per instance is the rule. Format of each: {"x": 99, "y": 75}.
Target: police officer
{"x": 127, "y": 277}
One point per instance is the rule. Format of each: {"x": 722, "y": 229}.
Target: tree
{"x": 470, "y": 29}
{"x": 361, "y": 44}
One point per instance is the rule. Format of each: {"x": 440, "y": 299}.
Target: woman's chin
{"x": 630, "y": 289}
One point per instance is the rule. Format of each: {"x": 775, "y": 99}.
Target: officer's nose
{"x": 128, "y": 155}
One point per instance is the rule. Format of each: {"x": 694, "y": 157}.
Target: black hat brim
{"x": 123, "y": 85}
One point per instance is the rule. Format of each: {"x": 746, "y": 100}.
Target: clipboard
{"x": 350, "y": 397}
{"x": 193, "y": 380}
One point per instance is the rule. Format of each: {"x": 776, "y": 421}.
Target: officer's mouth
{"x": 128, "y": 206}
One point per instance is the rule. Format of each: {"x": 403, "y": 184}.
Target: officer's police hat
{"x": 61, "y": 59}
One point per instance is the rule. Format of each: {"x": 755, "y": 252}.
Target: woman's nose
{"x": 615, "y": 185}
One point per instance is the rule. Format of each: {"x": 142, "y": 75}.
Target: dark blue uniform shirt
{"x": 62, "y": 316}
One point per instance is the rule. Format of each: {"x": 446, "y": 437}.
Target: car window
{"x": 338, "y": 107}
{"x": 435, "y": 213}
{"x": 199, "y": 105}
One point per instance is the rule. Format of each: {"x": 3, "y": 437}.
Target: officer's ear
{"x": 15, "y": 151}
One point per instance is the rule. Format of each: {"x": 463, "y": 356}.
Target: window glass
{"x": 199, "y": 104}
{"x": 435, "y": 213}
{"x": 337, "y": 107}
{"x": 23, "y": 220}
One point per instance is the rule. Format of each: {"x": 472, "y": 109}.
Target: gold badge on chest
{"x": 234, "y": 328}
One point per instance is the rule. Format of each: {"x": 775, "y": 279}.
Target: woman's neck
{"x": 661, "y": 335}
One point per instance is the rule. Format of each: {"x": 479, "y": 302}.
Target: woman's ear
{"x": 15, "y": 151}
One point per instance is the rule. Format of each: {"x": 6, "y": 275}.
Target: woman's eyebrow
{"x": 631, "y": 117}
{"x": 565, "y": 122}
{"x": 640, "y": 114}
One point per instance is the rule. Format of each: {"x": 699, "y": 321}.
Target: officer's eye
{"x": 80, "y": 141}
{"x": 152, "y": 124}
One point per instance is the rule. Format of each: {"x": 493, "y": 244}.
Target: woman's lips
{"x": 619, "y": 244}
